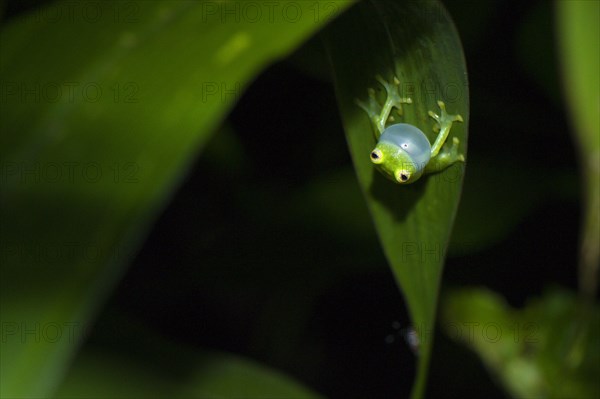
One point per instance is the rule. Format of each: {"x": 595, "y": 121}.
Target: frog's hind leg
{"x": 443, "y": 126}
{"x": 445, "y": 158}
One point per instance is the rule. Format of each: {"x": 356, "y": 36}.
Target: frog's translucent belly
{"x": 411, "y": 140}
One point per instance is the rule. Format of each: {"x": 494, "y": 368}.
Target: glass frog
{"x": 403, "y": 152}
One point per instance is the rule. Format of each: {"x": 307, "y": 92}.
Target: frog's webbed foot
{"x": 442, "y": 127}
{"x": 378, "y": 114}
{"x": 445, "y": 158}
{"x": 393, "y": 95}
{"x": 445, "y": 119}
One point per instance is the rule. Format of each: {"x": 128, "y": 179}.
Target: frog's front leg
{"x": 441, "y": 159}
{"x": 380, "y": 115}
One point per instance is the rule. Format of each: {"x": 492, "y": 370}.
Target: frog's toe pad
{"x": 455, "y": 143}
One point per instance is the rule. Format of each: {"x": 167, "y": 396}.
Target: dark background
{"x": 229, "y": 265}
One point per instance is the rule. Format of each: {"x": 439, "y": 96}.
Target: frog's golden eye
{"x": 376, "y": 156}
{"x": 402, "y": 176}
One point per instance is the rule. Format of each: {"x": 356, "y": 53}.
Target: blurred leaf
{"x": 473, "y": 19}
{"x": 127, "y": 357}
{"x": 102, "y": 111}
{"x": 536, "y": 52}
{"x": 311, "y": 59}
{"x": 100, "y": 374}
{"x": 332, "y": 202}
{"x": 549, "y": 349}
{"x": 143, "y": 363}
{"x": 579, "y": 39}
{"x": 485, "y": 197}
{"x": 417, "y": 42}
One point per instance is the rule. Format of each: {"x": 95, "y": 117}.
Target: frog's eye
{"x": 402, "y": 176}
{"x": 376, "y": 156}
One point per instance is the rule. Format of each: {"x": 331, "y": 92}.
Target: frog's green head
{"x": 394, "y": 163}
{"x": 401, "y": 153}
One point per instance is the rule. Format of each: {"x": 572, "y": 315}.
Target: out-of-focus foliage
{"x": 266, "y": 249}
{"x": 549, "y": 349}
{"x": 578, "y": 27}
{"x": 104, "y": 105}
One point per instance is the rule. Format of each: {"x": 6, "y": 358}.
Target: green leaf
{"x": 485, "y": 197}
{"x": 416, "y": 42}
{"x": 332, "y": 203}
{"x": 143, "y": 364}
{"x": 549, "y": 349}
{"x": 579, "y": 39}
{"x": 102, "y": 110}
{"x": 180, "y": 373}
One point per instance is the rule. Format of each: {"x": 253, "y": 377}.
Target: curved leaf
{"x": 100, "y": 373}
{"x": 416, "y": 42}
{"x": 579, "y": 39}
{"x": 103, "y": 106}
